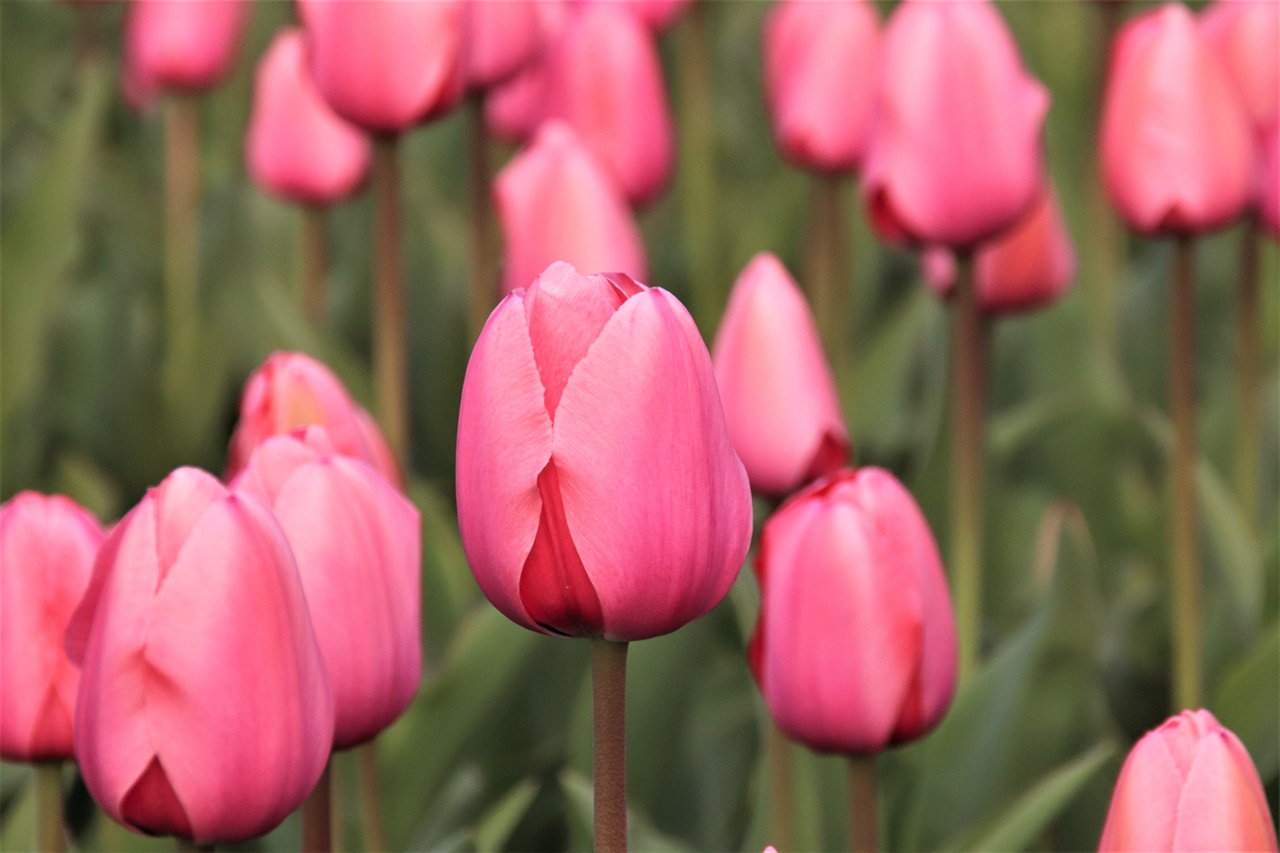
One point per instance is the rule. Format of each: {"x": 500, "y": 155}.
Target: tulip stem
{"x": 317, "y": 818}
{"x": 483, "y": 291}
{"x": 1187, "y": 630}
{"x": 375, "y": 833}
{"x": 782, "y": 802}
{"x": 829, "y": 261}
{"x": 49, "y": 807}
{"x": 389, "y": 346}
{"x": 1248, "y": 377}
{"x": 863, "y": 811}
{"x": 697, "y": 167}
{"x": 182, "y": 236}
{"x": 609, "y": 763}
{"x": 315, "y": 265}
{"x": 968, "y": 362}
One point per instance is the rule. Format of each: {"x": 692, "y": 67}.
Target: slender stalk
{"x": 315, "y": 265}
{"x": 389, "y": 344}
{"x": 1188, "y": 670}
{"x": 483, "y": 290}
{"x": 697, "y": 170}
{"x": 375, "y": 832}
{"x": 609, "y": 761}
{"x": 829, "y": 263}
{"x": 317, "y": 819}
{"x": 49, "y": 837}
{"x": 864, "y": 816}
{"x": 1249, "y": 377}
{"x": 182, "y": 235}
{"x": 782, "y": 824}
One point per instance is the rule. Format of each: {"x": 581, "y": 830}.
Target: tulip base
{"x": 609, "y": 760}
{"x": 375, "y": 834}
{"x": 390, "y": 356}
{"x": 315, "y": 265}
{"x": 864, "y": 816}
{"x": 49, "y": 834}
{"x": 1249, "y": 377}
{"x": 317, "y": 817}
{"x": 1188, "y": 674}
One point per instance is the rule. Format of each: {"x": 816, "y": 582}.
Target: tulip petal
{"x": 1222, "y": 806}
{"x": 1141, "y": 815}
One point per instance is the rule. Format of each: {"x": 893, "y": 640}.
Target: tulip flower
{"x": 502, "y": 36}
{"x": 357, "y": 541}
{"x": 954, "y": 155}
{"x": 555, "y": 202}
{"x": 181, "y": 45}
{"x": 657, "y": 15}
{"x": 514, "y": 109}
{"x": 205, "y": 708}
{"x": 1188, "y": 785}
{"x": 47, "y": 548}
{"x": 819, "y": 76}
{"x": 778, "y": 392}
{"x": 1243, "y": 34}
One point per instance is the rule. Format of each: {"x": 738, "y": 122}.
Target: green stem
{"x": 375, "y": 832}
{"x": 483, "y": 285}
{"x": 829, "y": 264}
{"x": 317, "y": 819}
{"x": 1249, "y": 377}
{"x": 781, "y": 799}
{"x": 315, "y": 265}
{"x": 182, "y": 235}
{"x": 1188, "y": 671}
{"x": 49, "y": 837}
{"x": 389, "y": 343}
{"x": 697, "y": 167}
{"x": 609, "y": 761}
{"x": 863, "y": 812}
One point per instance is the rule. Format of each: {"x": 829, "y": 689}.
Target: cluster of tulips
{"x": 203, "y": 658}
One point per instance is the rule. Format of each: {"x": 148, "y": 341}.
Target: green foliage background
{"x": 495, "y": 753}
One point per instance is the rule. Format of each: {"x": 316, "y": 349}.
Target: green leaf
{"x": 496, "y": 826}
{"x": 1248, "y": 703}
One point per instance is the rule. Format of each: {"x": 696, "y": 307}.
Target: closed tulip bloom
{"x": 1177, "y": 150}
{"x": 47, "y": 548}
{"x": 856, "y": 645}
{"x": 819, "y": 79}
{"x": 1244, "y": 35}
{"x": 182, "y": 45}
{"x": 295, "y": 146}
{"x": 386, "y": 65}
{"x": 205, "y": 709}
{"x": 358, "y": 543}
{"x": 778, "y": 392}
{"x": 1188, "y": 785}
{"x": 598, "y": 493}
{"x": 556, "y": 203}
{"x": 954, "y": 156}
{"x": 514, "y": 109}
{"x": 1269, "y": 192}
{"x": 502, "y": 37}
{"x": 657, "y": 15}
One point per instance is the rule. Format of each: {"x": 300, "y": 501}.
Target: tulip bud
{"x": 779, "y": 396}
{"x": 184, "y": 45}
{"x": 1244, "y": 34}
{"x": 1269, "y": 193}
{"x": 954, "y": 155}
{"x": 205, "y": 709}
{"x": 295, "y": 146}
{"x": 598, "y": 493}
{"x": 47, "y": 548}
{"x": 386, "y": 65}
{"x": 292, "y": 390}
{"x": 1177, "y": 151}
{"x": 358, "y": 544}
{"x": 856, "y": 645}
{"x": 819, "y": 77}
{"x": 502, "y": 37}
{"x": 514, "y": 109}
{"x": 1188, "y": 785}
{"x": 555, "y": 202}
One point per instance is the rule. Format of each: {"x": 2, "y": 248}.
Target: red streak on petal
{"x": 554, "y": 586}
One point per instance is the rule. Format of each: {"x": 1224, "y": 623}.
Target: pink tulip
{"x": 47, "y": 548}
{"x": 856, "y": 645}
{"x": 598, "y": 493}
{"x": 502, "y": 37}
{"x": 182, "y": 45}
{"x": 1030, "y": 266}
{"x": 386, "y": 65}
{"x": 779, "y": 396}
{"x": 657, "y": 15}
{"x": 954, "y": 155}
{"x": 1244, "y": 35}
{"x": 819, "y": 77}
{"x": 1188, "y": 785}
{"x": 205, "y": 709}
{"x": 604, "y": 79}
{"x": 1269, "y": 192}
{"x": 358, "y": 544}
{"x": 514, "y": 109}
{"x": 295, "y": 146}
{"x": 1177, "y": 150}
{"x": 555, "y": 202}
{"x": 292, "y": 390}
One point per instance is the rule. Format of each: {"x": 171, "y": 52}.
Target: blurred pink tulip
{"x": 205, "y": 708}
{"x": 657, "y": 15}
{"x": 598, "y": 493}
{"x": 47, "y": 548}
{"x": 954, "y": 156}
{"x": 856, "y": 645}
{"x": 514, "y": 109}
{"x": 295, "y": 146}
{"x": 1244, "y": 35}
{"x": 556, "y": 203}
{"x": 1269, "y": 193}
{"x": 1177, "y": 151}
{"x": 386, "y": 65}
{"x": 778, "y": 392}
{"x": 180, "y": 45}
{"x": 358, "y": 544}
{"x": 502, "y": 37}
{"x": 819, "y": 78}
{"x": 1188, "y": 785}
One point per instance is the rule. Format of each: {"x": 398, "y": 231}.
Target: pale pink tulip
{"x": 513, "y": 110}
{"x": 502, "y": 37}
{"x": 180, "y": 45}
{"x": 1244, "y": 35}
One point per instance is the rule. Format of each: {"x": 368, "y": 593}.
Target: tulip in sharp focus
{"x": 598, "y": 493}
{"x": 778, "y": 392}
{"x": 1177, "y": 150}
{"x": 180, "y": 45}
{"x": 205, "y": 708}
{"x": 954, "y": 156}
{"x": 295, "y": 146}
{"x": 556, "y": 203}
{"x": 47, "y": 548}
{"x": 1188, "y": 785}
{"x": 819, "y": 76}
{"x": 856, "y": 645}
{"x": 357, "y": 541}
{"x": 1244, "y": 34}
{"x": 502, "y": 37}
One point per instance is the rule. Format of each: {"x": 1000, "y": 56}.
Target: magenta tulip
{"x": 819, "y": 77}
{"x": 1188, "y": 785}
{"x": 47, "y": 548}
{"x": 556, "y": 203}
{"x": 1244, "y": 35}
{"x": 358, "y": 543}
{"x": 205, "y": 709}
{"x": 778, "y": 392}
{"x": 1177, "y": 151}
{"x": 598, "y": 492}
{"x": 295, "y": 146}
{"x": 502, "y": 37}
{"x": 856, "y": 645}
{"x": 180, "y": 45}
{"x": 954, "y": 156}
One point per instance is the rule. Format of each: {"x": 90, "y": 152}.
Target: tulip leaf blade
{"x": 497, "y": 825}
